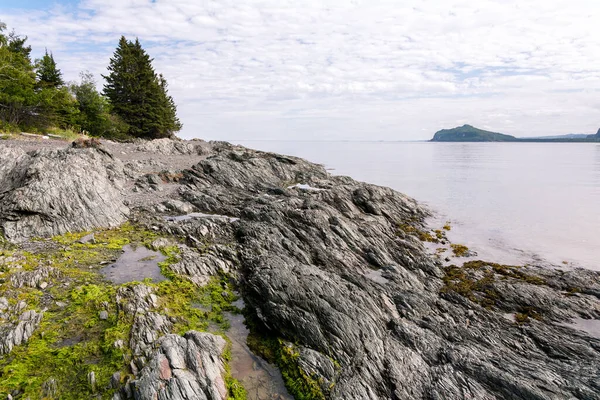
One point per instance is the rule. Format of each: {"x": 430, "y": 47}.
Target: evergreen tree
{"x": 18, "y": 102}
{"x": 48, "y": 75}
{"x": 138, "y": 95}
{"x": 94, "y": 111}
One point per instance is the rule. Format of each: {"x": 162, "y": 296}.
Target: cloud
{"x": 347, "y": 69}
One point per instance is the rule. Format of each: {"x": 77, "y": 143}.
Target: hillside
{"x": 596, "y": 137}
{"x": 468, "y": 133}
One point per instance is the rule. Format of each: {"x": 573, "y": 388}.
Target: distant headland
{"x": 468, "y": 133}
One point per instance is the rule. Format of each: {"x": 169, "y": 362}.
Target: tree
{"x": 27, "y": 103}
{"x": 48, "y": 75}
{"x": 18, "y": 102}
{"x": 138, "y": 95}
{"x": 95, "y": 112}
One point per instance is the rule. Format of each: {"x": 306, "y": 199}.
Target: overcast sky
{"x": 343, "y": 69}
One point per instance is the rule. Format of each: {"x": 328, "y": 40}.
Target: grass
{"x": 72, "y": 341}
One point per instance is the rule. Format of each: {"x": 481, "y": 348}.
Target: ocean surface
{"x": 536, "y": 203}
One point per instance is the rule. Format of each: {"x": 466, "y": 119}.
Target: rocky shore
{"x": 340, "y": 291}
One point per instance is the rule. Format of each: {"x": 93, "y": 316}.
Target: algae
{"x": 72, "y": 341}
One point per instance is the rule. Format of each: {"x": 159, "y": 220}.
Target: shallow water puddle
{"x": 589, "y": 326}
{"x": 261, "y": 380}
{"x": 135, "y": 264}
{"x": 185, "y": 217}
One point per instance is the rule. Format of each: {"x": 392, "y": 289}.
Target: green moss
{"x": 72, "y": 340}
{"x": 481, "y": 290}
{"x": 69, "y": 343}
{"x": 447, "y": 226}
{"x": 285, "y": 356}
{"x": 459, "y": 250}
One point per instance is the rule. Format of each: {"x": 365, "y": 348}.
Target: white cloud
{"x": 348, "y": 70}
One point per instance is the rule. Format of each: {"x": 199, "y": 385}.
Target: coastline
{"x": 303, "y": 261}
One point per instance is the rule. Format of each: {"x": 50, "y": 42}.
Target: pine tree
{"x": 48, "y": 75}
{"x": 18, "y": 102}
{"x": 138, "y": 95}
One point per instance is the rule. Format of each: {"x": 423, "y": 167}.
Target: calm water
{"x": 510, "y": 202}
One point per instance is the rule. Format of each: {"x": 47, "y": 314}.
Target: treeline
{"x": 34, "y": 96}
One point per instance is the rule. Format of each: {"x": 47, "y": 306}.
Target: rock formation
{"x": 327, "y": 265}
{"x": 48, "y": 192}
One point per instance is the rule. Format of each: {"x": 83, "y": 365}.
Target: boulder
{"x": 50, "y": 192}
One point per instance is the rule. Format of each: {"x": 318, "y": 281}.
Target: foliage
{"x": 138, "y": 95}
{"x": 31, "y": 96}
{"x": 48, "y": 75}
{"x": 95, "y": 115}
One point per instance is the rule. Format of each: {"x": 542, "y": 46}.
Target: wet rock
{"x": 51, "y": 192}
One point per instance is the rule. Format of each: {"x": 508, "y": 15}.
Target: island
{"x": 468, "y": 133}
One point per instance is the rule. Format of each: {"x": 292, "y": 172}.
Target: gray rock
{"x": 168, "y": 146}
{"x": 305, "y": 259}
{"x": 89, "y": 238}
{"x": 19, "y": 332}
{"x": 182, "y": 368}
{"x": 92, "y": 380}
{"x": 34, "y": 278}
{"x": 103, "y": 315}
{"x": 51, "y": 192}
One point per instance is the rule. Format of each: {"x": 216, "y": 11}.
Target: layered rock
{"x": 329, "y": 270}
{"x": 321, "y": 262}
{"x": 50, "y": 192}
{"x": 16, "y": 324}
{"x": 183, "y": 368}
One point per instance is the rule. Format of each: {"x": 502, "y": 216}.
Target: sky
{"x": 343, "y": 69}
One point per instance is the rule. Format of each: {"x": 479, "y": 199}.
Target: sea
{"x": 516, "y": 203}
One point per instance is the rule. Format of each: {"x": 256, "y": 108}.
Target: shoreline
{"x": 340, "y": 290}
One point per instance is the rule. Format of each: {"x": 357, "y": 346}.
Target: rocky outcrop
{"x": 182, "y": 368}
{"x": 172, "y": 147}
{"x": 50, "y": 192}
{"x": 16, "y": 324}
{"x": 322, "y": 262}
{"x": 329, "y": 270}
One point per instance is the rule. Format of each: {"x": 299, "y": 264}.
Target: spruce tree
{"x": 138, "y": 95}
{"x": 48, "y": 75}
